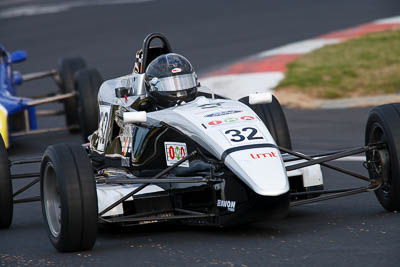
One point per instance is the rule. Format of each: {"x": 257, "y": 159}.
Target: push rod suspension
{"x": 42, "y": 131}
{"x": 154, "y": 181}
{"x": 38, "y": 75}
{"x": 315, "y": 155}
{"x": 25, "y": 161}
{"x": 322, "y": 161}
{"x": 51, "y": 99}
{"x": 26, "y": 200}
{"x": 156, "y": 218}
{"x": 322, "y": 192}
{"x": 146, "y": 215}
{"x": 25, "y": 175}
{"x": 371, "y": 187}
{"x": 313, "y": 161}
{"x": 26, "y": 187}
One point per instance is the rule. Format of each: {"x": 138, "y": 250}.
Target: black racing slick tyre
{"x": 67, "y": 67}
{"x": 273, "y": 117}
{"x": 6, "y": 194}
{"x": 69, "y": 198}
{"x": 383, "y": 126}
{"x": 87, "y": 83}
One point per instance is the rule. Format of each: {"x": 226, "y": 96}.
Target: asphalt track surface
{"x": 353, "y": 231}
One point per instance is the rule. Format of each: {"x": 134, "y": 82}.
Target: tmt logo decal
{"x": 263, "y": 155}
{"x": 174, "y": 152}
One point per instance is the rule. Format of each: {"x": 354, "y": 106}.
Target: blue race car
{"x": 77, "y": 85}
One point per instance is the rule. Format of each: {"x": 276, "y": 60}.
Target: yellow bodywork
{"x": 4, "y": 125}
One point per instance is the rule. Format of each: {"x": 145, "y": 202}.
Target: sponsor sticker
{"x": 267, "y": 155}
{"x": 212, "y": 123}
{"x": 104, "y": 129}
{"x": 230, "y": 120}
{"x": 176, "y": 70}
{"x": 222, "y": 113}
{"x": 126, "y": 145}
{"x": 247, "y": 118}
{"x": 211, "y": 106}
{"x": 243, "y": 135}
{"x": 174, "y": 152}
{"x": 230, "y": 205}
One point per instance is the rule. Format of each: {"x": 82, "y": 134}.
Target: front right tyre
{"x": 383, "y": 126}
{"x": 69, "y": 198}
{"x": 66, "y": 69}
{"x": 87, "y": 84}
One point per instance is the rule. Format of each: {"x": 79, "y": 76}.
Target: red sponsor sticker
{"x": 176, "y": 70}
{"x": 247, "y": 118}
{"x": 175, "y": 151}
{"x": 214, "y": 122}
{"x": 263, "y": 155}
{"x": 171, "y": 152}
{"x": 183, "y": 152}
{"x": 230, "y": 120}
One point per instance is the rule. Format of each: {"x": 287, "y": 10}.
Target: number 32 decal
{"x": 245, "y": 134}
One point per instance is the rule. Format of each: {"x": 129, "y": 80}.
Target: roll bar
{"x": 150, "y": 53}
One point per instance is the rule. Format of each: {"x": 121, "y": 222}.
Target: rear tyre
{"x": 67, "y": 67}
{"x": 383, "y": 126}
{"x": 6, "y": 194}
{"x": 69, "y": 198}
{"x": 87, "y": 83}
{"x": 273, "y": 117}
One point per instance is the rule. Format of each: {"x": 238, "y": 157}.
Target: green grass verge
{"x": 368, "y": 65}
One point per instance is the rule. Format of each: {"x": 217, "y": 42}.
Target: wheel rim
{"x": 52, "y": 200}
{"x": 380, "y": 170}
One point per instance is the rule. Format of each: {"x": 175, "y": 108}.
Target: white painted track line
{"x": 392, "y": 20}
{"x": 301, "y": 47}
{"x": 237, "y": 86}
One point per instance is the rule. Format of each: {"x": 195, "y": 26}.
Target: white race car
{"x": 208, "y": 161}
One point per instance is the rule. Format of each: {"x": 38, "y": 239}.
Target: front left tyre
{"x": 273, "y": 117}
{"x": 69, "y": 198}
{"x": 6, "y": 194}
